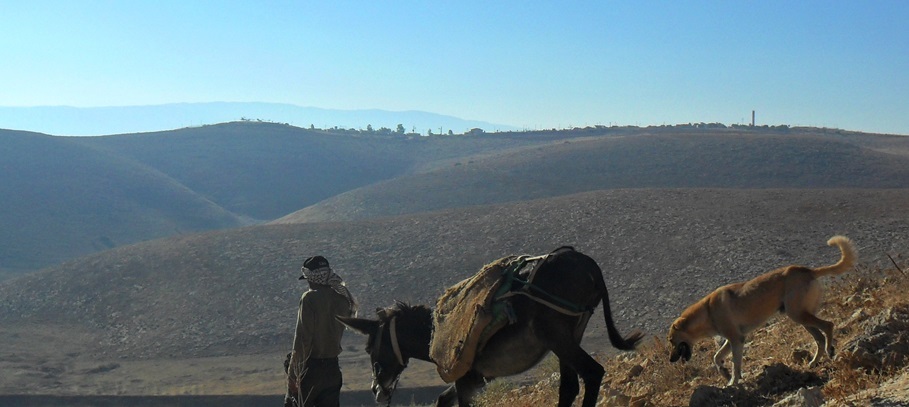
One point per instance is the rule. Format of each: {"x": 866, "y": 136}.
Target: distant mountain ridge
{"x": 97, "y": 121}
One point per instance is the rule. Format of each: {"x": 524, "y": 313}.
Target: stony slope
{"x": 870, "y": 313}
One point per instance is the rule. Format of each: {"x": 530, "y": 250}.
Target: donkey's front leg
{"x": 468, "y": 386}
{"x": 448, "y": 398}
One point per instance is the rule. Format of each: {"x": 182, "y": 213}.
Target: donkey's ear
{"x": 360, "y": 325}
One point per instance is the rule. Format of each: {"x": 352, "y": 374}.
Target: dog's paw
{"x": 724, "y": 372}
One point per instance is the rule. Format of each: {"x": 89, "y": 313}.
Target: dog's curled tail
{"x": 847, "y": 260}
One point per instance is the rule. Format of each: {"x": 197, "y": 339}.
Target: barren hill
{"x": 73, "y": 196}
{"x": 62, "y": 200}
{"x": 727, "y": 159}
{"x": 267, "y": 170}
{"x": 69, "y": 196}
{"x": 234, "y": 292}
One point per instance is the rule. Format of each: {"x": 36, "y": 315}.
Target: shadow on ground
{"x": 403, "y": 397}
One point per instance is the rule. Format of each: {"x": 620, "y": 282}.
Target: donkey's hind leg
{"x": 568, "y": 384}
{"x": 560, "y": 339}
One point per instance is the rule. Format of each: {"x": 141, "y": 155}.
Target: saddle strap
{"x": 554, "y": 307}
{"x": 527, "y": 286}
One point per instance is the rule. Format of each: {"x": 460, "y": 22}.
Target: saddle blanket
{"x": 465, "y": 318}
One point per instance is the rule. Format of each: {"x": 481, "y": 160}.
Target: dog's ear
{"x": 678, "y": 324}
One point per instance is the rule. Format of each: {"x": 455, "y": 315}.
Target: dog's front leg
{"x": 718, "y": 359}
{"x": 738, "y": 349}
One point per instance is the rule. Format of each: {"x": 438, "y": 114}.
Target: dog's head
{"x": 680, "y": 341}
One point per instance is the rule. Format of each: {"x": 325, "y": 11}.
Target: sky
{"x": 530, "y": 64}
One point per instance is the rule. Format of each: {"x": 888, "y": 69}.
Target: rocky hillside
{"x": 231, "y": 292}
{"x": 871, "y": 313}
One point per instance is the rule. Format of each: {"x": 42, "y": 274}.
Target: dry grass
{"x": 646, "y": 377}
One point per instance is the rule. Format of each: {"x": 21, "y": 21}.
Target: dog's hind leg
{"x": 809, "y": 320}
{"x": 820, "y": 342}
{"x": 718, "y": 359}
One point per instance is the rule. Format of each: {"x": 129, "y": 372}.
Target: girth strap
{"x": 554, "y": 307}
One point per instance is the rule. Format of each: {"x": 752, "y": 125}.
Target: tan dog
{"x": 734, "y": 310}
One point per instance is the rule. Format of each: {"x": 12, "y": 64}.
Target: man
{"x": 313, "y": 373}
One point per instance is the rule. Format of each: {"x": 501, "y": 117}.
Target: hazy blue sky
{"x": 523, "y": 63}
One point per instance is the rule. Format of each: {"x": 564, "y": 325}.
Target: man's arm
{"x": 303, "y": 337}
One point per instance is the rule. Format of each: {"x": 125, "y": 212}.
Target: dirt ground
{"x": 36, "y": 363}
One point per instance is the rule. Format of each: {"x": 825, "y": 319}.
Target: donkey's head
{"x": 384, "y": 347}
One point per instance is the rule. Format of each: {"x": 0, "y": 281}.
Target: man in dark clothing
{"x": 313, "y": 374}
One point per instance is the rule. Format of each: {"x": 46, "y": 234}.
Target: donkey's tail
{"x": 622, "y": 343}
{"x": 847, "y": 260}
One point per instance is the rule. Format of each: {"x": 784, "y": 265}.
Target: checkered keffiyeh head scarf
{"x": 317, "y": 271}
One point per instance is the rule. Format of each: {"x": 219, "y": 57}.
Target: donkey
{"x": 403, "y": 332}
